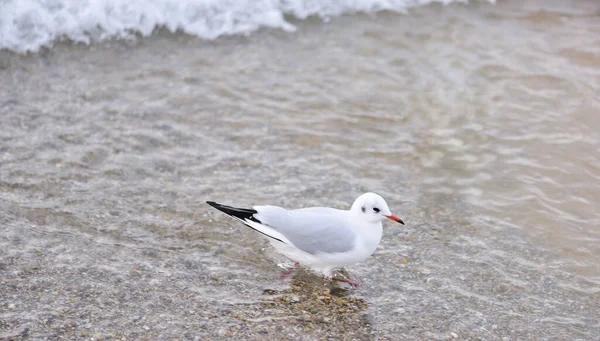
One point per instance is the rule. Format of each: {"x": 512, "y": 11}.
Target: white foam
{"x": 27, "y": 25}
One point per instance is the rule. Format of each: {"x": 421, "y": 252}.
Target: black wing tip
{"x": 220, "y": 207}
{"x": 242, "y": 214}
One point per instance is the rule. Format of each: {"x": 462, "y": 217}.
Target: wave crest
{"x": 27, "y": 25}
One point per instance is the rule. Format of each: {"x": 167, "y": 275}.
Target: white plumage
{"x": 318, "y": 237}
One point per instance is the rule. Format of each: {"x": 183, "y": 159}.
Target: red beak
{"x": 395, "y": 218}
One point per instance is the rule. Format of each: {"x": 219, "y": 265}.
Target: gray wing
{"x": 312, "y": 230}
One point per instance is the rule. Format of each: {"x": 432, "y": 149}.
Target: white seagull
{"x": 320, "y": 238}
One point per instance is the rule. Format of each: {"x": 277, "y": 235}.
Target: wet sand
{"x": 477, "y": 123}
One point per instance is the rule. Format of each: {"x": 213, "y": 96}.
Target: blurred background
{"x": 478, "y": 122}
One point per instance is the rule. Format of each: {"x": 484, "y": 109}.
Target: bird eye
{"x": 376, "y": 209}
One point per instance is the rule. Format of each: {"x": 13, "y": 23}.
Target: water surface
{"x": 478, "y": 123}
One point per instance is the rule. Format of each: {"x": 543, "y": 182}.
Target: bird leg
{"x": 345, "y": 280}
{"x": 342, "y": 276}
{"x": 283, "y": 274}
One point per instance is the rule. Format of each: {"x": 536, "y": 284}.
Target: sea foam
{"x": 27, "y": 25}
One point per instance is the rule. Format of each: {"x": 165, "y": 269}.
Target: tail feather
{"x": 246, "y": 216}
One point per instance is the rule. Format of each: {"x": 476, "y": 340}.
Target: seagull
{"x": 320, "y": 238}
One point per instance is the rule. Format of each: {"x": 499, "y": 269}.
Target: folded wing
{"x": 313, "y": 230}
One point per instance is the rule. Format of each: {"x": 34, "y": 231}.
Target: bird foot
{"x": 351, "y": 282}
{"x": 285, "y": 274}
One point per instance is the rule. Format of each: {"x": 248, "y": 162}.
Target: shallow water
{"x": 477, "y": 123}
